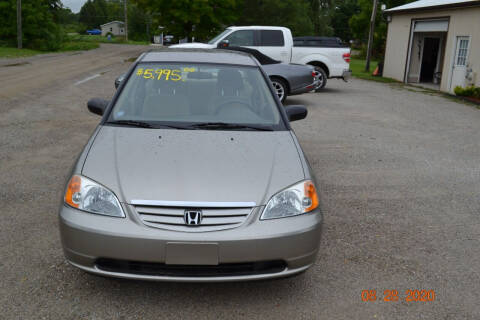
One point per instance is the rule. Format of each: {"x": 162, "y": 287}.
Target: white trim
{"x": 427, "y": 4}
{"x": 421, "y": 59}
{"x": 409, "y": 57}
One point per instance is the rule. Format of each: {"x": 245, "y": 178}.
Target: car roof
{"x": 199, "y": 56}
{"x": 257, "y": 27}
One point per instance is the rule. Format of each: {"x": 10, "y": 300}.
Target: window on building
{"x": 462, "y": 53}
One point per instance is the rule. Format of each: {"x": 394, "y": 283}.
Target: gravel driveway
{"x": 399, "y": 173}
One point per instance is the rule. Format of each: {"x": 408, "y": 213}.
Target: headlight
{"x": 297, "y": 199}
{"x": 86, "y": 195}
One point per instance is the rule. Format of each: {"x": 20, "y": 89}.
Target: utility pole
{"x": 370, "y": 35}
{"x": 19, "y": 24}
{"x": 126, "y": 19}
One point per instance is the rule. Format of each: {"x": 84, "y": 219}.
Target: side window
{"x": 271, "y": 38}
{"x": 241, "y": 38}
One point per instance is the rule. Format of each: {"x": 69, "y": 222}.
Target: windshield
{"x": 176, "y": 95}
{"x": 219, "y": 36}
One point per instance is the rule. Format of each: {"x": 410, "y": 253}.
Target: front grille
{"x": 161, "y": 269}
{"x": 172, "y": 218}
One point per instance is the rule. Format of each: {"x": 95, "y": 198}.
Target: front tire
{"x": 280, "y": 87}
{"x": 322, "y": 76}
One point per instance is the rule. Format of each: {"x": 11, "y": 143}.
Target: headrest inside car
{"x": 199, "y": 75}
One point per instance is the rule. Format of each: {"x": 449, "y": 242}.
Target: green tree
{"x": 320, "y": 15}
{"x": 65, "y": 16}
{"x": 342, "y": 11}
{"x": 360, "y": 22}
{"x": 94, "y": 13}
{"x": 191, "y": 18}
{"x": 40, "y": 30}
{"x": 293, "y": 14}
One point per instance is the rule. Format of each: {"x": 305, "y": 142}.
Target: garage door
{"x": 431, "y": 26}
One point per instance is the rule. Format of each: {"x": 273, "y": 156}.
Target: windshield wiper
{"x": 132, "y": 123}
{"x": 143, "y": 124}
{"x": 223, "y": 125}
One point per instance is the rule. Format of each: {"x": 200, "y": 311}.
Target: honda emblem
{"x": 193, "y": 217}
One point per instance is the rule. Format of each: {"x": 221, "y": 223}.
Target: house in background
{"x": 434, "y": 43}
{"x": 116, "y": 28}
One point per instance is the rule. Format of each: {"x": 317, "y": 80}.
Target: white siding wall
{"x": 116, "y": 29}
{"x": 463, "y": 22}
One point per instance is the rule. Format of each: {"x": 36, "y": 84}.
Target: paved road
{"x": 399, "y": 173}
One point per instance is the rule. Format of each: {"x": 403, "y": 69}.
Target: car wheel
{"x": 281, "y": 88}
{"x": 322, "y": 77}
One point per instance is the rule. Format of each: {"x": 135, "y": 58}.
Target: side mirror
{"x": 223, "y": 44}
{"x": 97, "y": 105}
{"x": 295, "y": 113}
{"x": 119, "y": 81}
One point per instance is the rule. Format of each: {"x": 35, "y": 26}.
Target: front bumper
{"x": 88, "y": 238}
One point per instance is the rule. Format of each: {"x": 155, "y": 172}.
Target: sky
{"x": 74, "y": 5}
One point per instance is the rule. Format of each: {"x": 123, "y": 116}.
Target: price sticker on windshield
{"x": 163, "y": 74}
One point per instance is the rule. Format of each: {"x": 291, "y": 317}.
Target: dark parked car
{"x": 287, "y": 78}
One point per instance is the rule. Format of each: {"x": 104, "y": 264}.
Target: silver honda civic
{"x": 193, "y": 174}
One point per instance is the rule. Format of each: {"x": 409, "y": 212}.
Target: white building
{"x": 434, "y": 42}
{"x": 116, "y": 28}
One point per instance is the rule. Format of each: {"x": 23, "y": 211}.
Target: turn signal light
{"x": 311, "y": 193}
{"x": 73, "y": 188}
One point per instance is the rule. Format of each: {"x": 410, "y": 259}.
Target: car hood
{"x": 193, "y": 165}
{"x": 194, "y": 45}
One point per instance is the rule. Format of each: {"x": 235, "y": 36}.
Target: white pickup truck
{"x": 277, "y": 43}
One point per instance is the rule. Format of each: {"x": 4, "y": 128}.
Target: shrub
{"x": 458, "y": 91}
{"x": 470, "y": 91}
{"x": 476, "y": 92}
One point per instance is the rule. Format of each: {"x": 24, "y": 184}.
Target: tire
{"x": 280, "y": 87}
{"x": 322, "y": 76}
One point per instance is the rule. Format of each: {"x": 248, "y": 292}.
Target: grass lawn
{"x": 358, "y": 70}
{"x": 73, "y": 43}
{"x": 102, "y": 39}
{"x": 7, "y": 52}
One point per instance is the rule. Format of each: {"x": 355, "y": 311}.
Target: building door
{"x": 460, "y": 63}
{"x": 431, "y": 48}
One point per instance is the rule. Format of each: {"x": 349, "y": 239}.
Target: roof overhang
{"x": 440, "y": 5}
{"x": 112, "y": 22}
